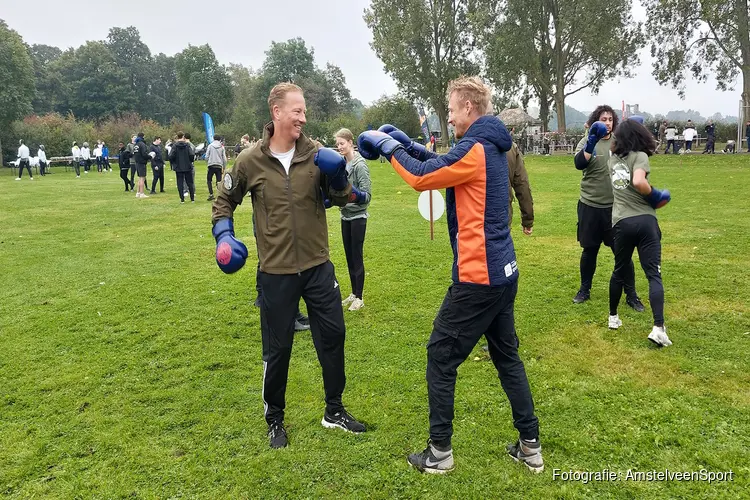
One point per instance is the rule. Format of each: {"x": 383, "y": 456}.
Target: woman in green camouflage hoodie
{"x": 354, "y": 218}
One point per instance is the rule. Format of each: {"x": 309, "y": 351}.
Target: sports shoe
{"x": 182, "y": 202}
{"x": 635, "y": 303}
{"x": 301, "y": 322}
{"x": 659, "y": 337}
{"x": 581, "y": 297}
{"x": 432, "y": 460}
{"x": 357, "y": 305}
{"x": 210, "y": 198}
{"x": 78, "y": 176}
{"x": 137, "y": 195}
{"x": 277, "y": 435}
{"x": 31, "y": 178}
{"x": 348, "y": 300}
{"x": 18, "y": 178}
{"x": 342, "y": 420}
{"x": 528, "y": 452}
{"x": 152, "y": 192}
{"x": 85, "y": 171}
{"x": 614, "y": 322}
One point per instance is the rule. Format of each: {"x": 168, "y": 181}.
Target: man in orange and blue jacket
{"x": 485, "y": 273}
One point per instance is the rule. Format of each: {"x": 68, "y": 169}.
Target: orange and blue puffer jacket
{"x": 475, "y": 175}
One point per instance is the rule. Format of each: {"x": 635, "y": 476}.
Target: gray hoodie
{"x": 216, "y": 155}
{"x": 359, "y": 176}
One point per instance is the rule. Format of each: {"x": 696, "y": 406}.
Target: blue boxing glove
{"x": 326, "y": 201}
{"x": 597, "y": 131}
{"x": 333, "y": 165}
{"x": 414, "y": 149}
{"x": 231, "y": 253}
{"x": 372, "y": 144}
{"x": 657, "y": 198}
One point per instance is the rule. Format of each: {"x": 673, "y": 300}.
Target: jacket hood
{"x": 139, "y": 139}
{"x": 181, "y": 145}
{"x": 216, "y": 144}
{"x": 492, "y": 130}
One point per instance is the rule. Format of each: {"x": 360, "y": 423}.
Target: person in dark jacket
{"x": 481, "y": 299}
{"x": 124, "y": 156}
{"x": 180, "y": 158}
{"x": 710, "y": 129}
{"x": 157, "y": 165}
{"x": 141, "y": 157}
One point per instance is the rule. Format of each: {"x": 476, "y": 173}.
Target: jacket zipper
{"x": 294, "y": 219}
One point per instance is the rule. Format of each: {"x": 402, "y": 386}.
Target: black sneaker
{"x": 528, "y": 452}
{"x": 636, "y": 304}
{"x": 152, "y": 192}
{"x": 301, "y": 322}
{"x": 210, "y": 198}
{"x": 342, "y": 420}
{"x": 581, "y": 297}
{"x": 277, "y": 435}
{"x": 432, "y": 460}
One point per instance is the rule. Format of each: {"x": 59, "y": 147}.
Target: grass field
{"x": 130, "y": 366}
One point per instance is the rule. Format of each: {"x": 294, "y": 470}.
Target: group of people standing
{"x": 668, "y": 134}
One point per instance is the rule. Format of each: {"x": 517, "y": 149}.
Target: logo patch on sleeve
{"x": 228, "y": 182}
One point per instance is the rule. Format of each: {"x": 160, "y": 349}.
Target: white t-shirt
{"x": 23, "y": 152}
{"x": 688, "y": 134}
{"x": 285, "y": 158}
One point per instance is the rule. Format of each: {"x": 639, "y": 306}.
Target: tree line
{"x": 105, "y": 86}
{"x": 548, "y": 50}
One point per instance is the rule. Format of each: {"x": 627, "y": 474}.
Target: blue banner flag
{"x": 208, "y": 124}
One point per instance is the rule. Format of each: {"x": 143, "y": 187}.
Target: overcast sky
{"x": 241, "y": 31}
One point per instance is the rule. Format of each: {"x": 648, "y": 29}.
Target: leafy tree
{"x": 203, "y": 85}
{"x": 134, "y": 57}
{"x": 93, "y": 83}
{"x": 397, "y": 110}
{"x": 709, "y": 37}
{"x": 163, "y": 97}
{"x": 555, "y": 48}
{"x": 424, "y": 44}
{"x": 47, "y": 79}
{"x": 16, "y": 77}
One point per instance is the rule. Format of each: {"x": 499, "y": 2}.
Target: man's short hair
{"x": 188, "y": 136}
{"x": 472, "y": 89}
{"x": 279, "y": 92}
{"x": 141, "y": 135}
{"x": 157, "y": 138}
{"x": 217, "y": 137}
{"x": 180, "y": 135}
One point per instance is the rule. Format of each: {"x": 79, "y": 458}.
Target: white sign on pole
{"x": 438, "y": 205}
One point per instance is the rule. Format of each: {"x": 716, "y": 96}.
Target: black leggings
{"x": 588, "y": 268}
{"x": 182, "y": 178}
{"x": 124, "y": 177}
{"x": 213, "y": 171}
{"x": 641, "y": 232}
{"x": 353, "y": 233}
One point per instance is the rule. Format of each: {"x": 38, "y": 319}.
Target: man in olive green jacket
{"x": 288, "y": 193}
{"x": 519, "y": 182}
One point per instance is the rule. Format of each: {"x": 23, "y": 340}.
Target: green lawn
{"x": 131, "y": 366}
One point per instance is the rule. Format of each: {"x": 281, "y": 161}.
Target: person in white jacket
{"x": 42, "y": 156}
{"x": 86, "y": 157}
{"x": 98, "y": 156}
{"x": 76, "y": 152}
{"x": 688, "y": 135}
{"x": 23, "y": 161}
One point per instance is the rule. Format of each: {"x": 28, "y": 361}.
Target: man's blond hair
{"x": 279, "y": 92}
{"x": 472, "y": 89}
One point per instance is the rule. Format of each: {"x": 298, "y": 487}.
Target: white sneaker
{"x": 614, "y": 322}
{"x": 78, "y": 176}
{"x": 18, "y": 178}
{"x": 85, "y": 171}
{"x": 31, "y": 178}
{"x": 357, "y": 304}
{"x": 659, "y": 337}
{"x": 348, "y": 300}
{"x": 144, "y": 195}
